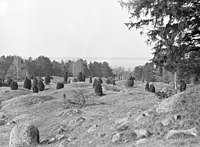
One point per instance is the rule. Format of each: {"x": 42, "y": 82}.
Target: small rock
{"x": 52, "y": 140}
{"x": 116, "y": 138}
{"x": 2, "y": 122}
{"x": 101, "y": 134}
{"x": 122, "y": 120}
{"x": 172, "y": 133}
{"x": 143, "y": 133}
{"x": 141, "y": 141}
{"x": 44, "y": 141}
{"x": 123, "y": 127}
{"x": 64, "y": 143}
{"x": 60, "y": 137}
{"x": 93, "y": 128}
{"x": 166, "y": 122}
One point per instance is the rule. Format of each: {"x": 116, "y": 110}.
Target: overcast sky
{"x": 68, "y": 28}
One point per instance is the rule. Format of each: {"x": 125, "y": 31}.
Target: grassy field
{"x": 92, "y": 124}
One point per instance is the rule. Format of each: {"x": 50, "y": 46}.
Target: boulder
{"x": 24, "y": 135}
{"x": 193, "y": 132}
{"x": 143, "y": 133}
{"x": 167, "y": 105}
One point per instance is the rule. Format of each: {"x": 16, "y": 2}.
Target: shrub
{"x": 147, "y": 86}
{"x": 74, "y": 80}
{"x": 47, "y": 79}
{"x": 81, "y": 77}
{"x": 90, "y": 80}
{"x": 65, "y": 77}
{"x": 27, "y": 83}
{"x": 59, "y": 85}
{"x": 182, "y": 85}
{"x": 98, "y": 89}
{"x": 9, "y": 81}
{"x": 35, "y": 81}
{"x": 130, "y": 81}
{"x": 41, "y": 85}
{"x": 100, "y": 81}
{"x": 108, "y": 81}
{"x": 152, "y": 88}
{"x": 95, "y": 83}
{"x": 14, "y": 85}
{"x": 35, "y": 89}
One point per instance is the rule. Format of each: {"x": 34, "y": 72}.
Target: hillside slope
{"x": 107, "y": 121}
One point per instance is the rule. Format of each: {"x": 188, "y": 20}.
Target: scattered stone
{"x": 173, "y": 133}
{"x": 93, "y": 128}
{"x": 177, "y": 117}
{"x": 143, "y": 133}
{"x": 116, "y": 137}
{"x": 2, "y": 122}
{"x": 101, "y": 134}
{"x": 24, "y": 135}
{"x": 52, "y": 140}
{"x": 60, "y": 137}
{"x": 141, "y": 141}
{"x": 123, "y": 127}
{"x": 44, "y": 141}
{"x": 167, "y": 105}
{"x": 64, "y": 143}
{"x": 166, "y": 122}
{"x": 122, "y": 120}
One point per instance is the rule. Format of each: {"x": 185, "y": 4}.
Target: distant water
{"x": 126, "y": 62}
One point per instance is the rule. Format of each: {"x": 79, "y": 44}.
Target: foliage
{"x": 59, "y": 85}
{"x": 65, "y": 77}
{"x": 41, "y": 85}
{"x": 81, "y": 77}
{"x": 35, "y": 88}
{"x": 172, "y": 27}
{"x": 27, "y": 83}
{"x": 47, "y": 79}
{"x": 90, "y": 79}
{"x": 98, "y": 89}
{"x": 14, "y": 85}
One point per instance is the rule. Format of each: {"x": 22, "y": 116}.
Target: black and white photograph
{"x": 99, "y": 73}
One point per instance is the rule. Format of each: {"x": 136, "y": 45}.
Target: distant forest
{"x": 18, "y": 68}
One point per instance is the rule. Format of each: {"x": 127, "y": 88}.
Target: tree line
{"x": 18, "y": 68}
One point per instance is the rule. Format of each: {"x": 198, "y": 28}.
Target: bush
{"x": 95, "y": 83}
{"x": 59, "y": 85}
{"x": 81, "y": 77}
{"x": 74, "y": 80}
{"x": 35, "y": 81}
{"x": 98, "y": 89}
{"x": 147, "y": 86}
{"x": 130, "y": 81}
{"x": 14, "y": 85}
{"x": 90, "y": 80}
{"x": 100, "y": 81}
{"x": 27, "y": 83}
{"x": 108, "y": 81}
{"x": 41, "y": 85}
{"x": 65, "y": 77}
{"x": 35, "y": 89}
{"x": 47, "y": 79}
{"x": 182, "y": 85}
{"x": 9, "y": 81}
{"x": 152, "y": 88}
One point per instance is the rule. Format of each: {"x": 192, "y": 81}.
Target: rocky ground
{"x": 123, "y": 117}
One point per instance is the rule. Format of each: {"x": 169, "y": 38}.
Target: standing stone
{"x": 24, "y": 135}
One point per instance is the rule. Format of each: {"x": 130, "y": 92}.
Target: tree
{"x": 172, "y": 28}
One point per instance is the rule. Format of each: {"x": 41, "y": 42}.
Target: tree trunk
{"x": 175, "y": 83}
